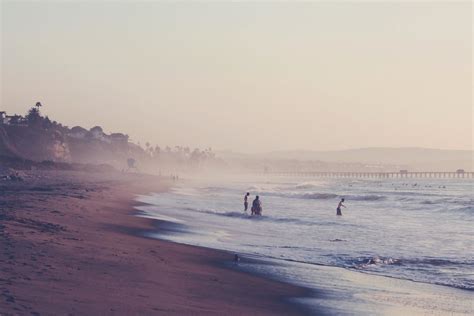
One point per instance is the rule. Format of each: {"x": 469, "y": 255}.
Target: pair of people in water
{"x": 256, "y": 208}
{"x": 257, "y": 205}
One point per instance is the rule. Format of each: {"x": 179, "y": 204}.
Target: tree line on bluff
{"x": 37, "y": 137}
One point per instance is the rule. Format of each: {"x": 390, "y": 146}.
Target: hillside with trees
{"x": 37, "y": 138}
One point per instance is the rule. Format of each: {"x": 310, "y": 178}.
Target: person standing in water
{"x": 256, "y": 206}
{"x": 246, "y": 202}
{"x": 339, "y": 207}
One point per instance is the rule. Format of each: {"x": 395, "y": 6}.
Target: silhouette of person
{"x": 339, "y": 207}
{"x": 246, "y": 202}
{"x": 257, "y": 206}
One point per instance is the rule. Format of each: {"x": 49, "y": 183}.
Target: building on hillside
{"x": 78, "y": 132}
{"x": 98, "y": 133}
{"x": 16, "y": 120}
{"x": 118, "y": 138}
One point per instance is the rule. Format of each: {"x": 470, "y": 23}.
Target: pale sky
{"x": 246, "y": 76}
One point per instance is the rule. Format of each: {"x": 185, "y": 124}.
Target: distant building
{"x": 16, "y": 120}
{"x": 118, "y": 138}
{"x": 404, "y": 171}
{"x": 78, "y": 132}
{"x": 97, "y": 133}
{"x": 460, "y": 171}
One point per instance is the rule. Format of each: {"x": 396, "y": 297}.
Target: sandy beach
{"x": 71, "y": 245}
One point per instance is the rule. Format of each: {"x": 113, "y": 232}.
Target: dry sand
{"x": 70, "y": 245}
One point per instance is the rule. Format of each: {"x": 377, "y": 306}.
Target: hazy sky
{"x": 246, "y": 76}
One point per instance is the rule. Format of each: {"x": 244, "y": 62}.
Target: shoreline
{"x": 71, "y": 247}
{"x": 228, "y": 261}
{"x": 332, "y": 289}
{"x": 223, "y": 259}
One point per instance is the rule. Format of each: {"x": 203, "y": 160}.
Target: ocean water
{"x": 410, "y": 236}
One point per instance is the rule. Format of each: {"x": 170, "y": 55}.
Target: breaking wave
{"x": 323, "y": 196}
{"x": 374, "y": 264}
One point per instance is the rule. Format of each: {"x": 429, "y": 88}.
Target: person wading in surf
{"x": 256, "y": 206}
{"x": 246, "y": 202}
{"x": 339, "y": 207}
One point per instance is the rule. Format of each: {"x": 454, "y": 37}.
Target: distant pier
{"x": 400, "y": 174}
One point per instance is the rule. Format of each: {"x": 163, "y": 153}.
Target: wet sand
{"x": 71, "y": 245}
